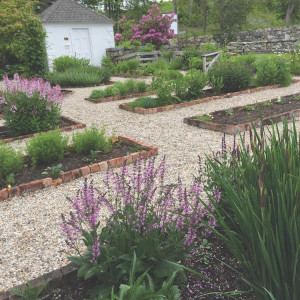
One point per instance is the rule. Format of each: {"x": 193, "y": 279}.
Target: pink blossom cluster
{"x": 154, "y": 28}
{"x": 144, "y": 202}
{"x": 52, "y": 95}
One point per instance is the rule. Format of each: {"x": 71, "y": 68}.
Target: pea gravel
{"x": 31, "y": 240}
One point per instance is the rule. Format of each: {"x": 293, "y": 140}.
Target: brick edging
{"x": 147, "y": 111}
{"x": 75, "y": 125}
{"x": 86, "y": 86}
{"x": 8, "y": 193}
{"x": 56, "y": 279}
{"x": 116, "y": 98}
{"x": 236, "y": 129}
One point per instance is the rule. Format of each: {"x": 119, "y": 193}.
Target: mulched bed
{"x": 65, "y": 123}
{"x": 241, "y": 115}
{"x": 72, "y": 161}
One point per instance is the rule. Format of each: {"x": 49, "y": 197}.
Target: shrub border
{"x": 236, "y": 129}
{"x": 76, "y": 125}
{"x": 147, "y": 111}
{"x": 8, "y": 193}
{"x": 116, "y": 98}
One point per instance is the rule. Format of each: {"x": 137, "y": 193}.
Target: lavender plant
{"x": 30, "y": 105}
{"x": 156, "y": 221}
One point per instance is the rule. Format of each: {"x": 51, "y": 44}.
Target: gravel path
{"x": 31, "y": 241}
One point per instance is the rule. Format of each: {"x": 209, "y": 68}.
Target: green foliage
{"x": 122, "y": 88}
{"x": 144, "y": 102}
{"x": 163, "y": 90}
{"x": 30, "y": 292}
{"x": 130, "y": 66}
{"x": 63, "y": 63}
{"x": 22, "y": 38}
{"x": 195, "y": 63}
{"x": 46, "y": 148}
{"x": 108, "y": 64}
{"x": 54, "y": 171}
{"x": 247, "y": 59}
{"x": 208, "y": 47}
{"x": 146, "y": 70}
{"x": 181, "y": 87}
{"x": 131, "y": 86}
{"x": 249, "y": 107}
{"x": 11, "y": 162}
{"x": 236, "y": 76}
{"x": 31, "y": 114}
{"x": 147, "y": 48}
{"x": 196, "y": 81}
{"x": 189, "y": 53}
{"x": 91, "y": 139}
{"x": 176, "y": 63}
{"x": 141, "y": 86}
{"x": 83, "y": 76}
{"x": 259, "y": 211}
{"x": 171, "y": 74}
{"x": 272, "y": 70}
{"x": 216, "y": 84}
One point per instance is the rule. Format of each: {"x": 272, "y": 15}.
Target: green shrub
{"x": 196, "y": 82}
{"x": 143, "y": 102}
{"x": 272, "y": 70}
{"x": 141, "y": 86}
{"x": 63, "y": 63}
{"x": 133, "y": 65}
{"x": 180, "y": 88}
{"x": 91, "y": 140}
{"x": 105, "y": 75}
{"x": 176, "y": 64}
{"x": 216, "y": 84}
{"x": 247, "y": 59}
{"x": 146, "y": 70}
{"x": 106, "y": 63}
{"x": 122, "y": 67}
{"x": 258, "y": 214}
{"x": 294, "y": 60}
{"x": 161, "y": 64}
{"x": 121, "y": 87}
{"x": 98, "y": 94}
{"x": 131, "y": 86}
{"x": 209, "y": 47}
{"x": 188, "y": 53}
{"x": 147, "y": 48}
{"x": 195, "y": 63}
{"x": 46, "y": 148}
{"x": 171, "y": 74}
{"x": 236, "y": 76}
{"x": 11, "y": 162}
{"x": 163, "y": 90}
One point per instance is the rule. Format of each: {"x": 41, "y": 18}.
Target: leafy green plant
{"x": 54, "y": 171}
{"x": 91, "y": 139}
{"x": 143, "y": 102}
{"x": 279, "y": 100}
{"x": 272, "y": 70}
{"x": 195, "y": 63}
{"x": 197, "y": 81}
{"x": 176, "y": 64}
{"x": 206, "y": 117}
{"x": 122, "y": 88}
{"x": 30, "y": 292}
{"x": 296, "y": 98}
{"x": 249, "y": 107}
{"x": 267, "y": 103}
{"x": 63, "y": 63}
{"x": 11, "y": 161}
{"x": 131, "y": 86}
{"x": 141, "y": 86}
{"x": 216, "y": 84}
{"x": 258, "y": 219}
{"x": 106, "y": 63}
{"x": 163, "y": 90}
{"x": 229, "y": 112}
{"x": 180, "y": 88}
{"x": 204, "y": 251}
{"x": 189, "y": 53}
{"x": 46, "y": 148}
{"x": 236, "y": 76}
{"x": 147, "y": 48}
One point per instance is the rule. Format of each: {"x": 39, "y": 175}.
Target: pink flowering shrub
{"x": 30, "y": 105}
{"x": 156, "y": 221}
{"x": 154, "y": 28}
{"x": 125, "y": 29}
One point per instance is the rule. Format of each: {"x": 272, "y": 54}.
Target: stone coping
{"x": 75, "y": 125}
{"x": 116, "y": 98}
{"x": 8, "y": 193}
{"x": 56, "y": 279}
{"x": 236, "y": 129}
{"x": 147, "y": 111}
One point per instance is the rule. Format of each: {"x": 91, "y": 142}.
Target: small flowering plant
{"x": 158, "y": 222}
{"x": 30, "y": 105}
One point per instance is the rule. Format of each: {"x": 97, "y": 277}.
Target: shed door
{"x": 81, "y": 43}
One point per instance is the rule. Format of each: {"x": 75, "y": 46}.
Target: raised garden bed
{"x": 85, "y": 86}
{"x": 146, "y": 111}
{"x": 66, "y": 124}
{"x": 75, "y": 166}
{"x": 241, "y": 118}
{"x": 116, "y": 98}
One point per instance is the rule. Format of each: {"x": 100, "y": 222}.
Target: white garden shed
{"x": 75, "y": 30}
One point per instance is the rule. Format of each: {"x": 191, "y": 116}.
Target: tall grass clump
{"x": 259, "y": 211}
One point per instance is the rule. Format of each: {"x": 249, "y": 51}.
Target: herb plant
{"x": 54, "y": 171}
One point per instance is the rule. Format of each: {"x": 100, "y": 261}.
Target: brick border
{"x": 147, "y": 111}
{"x": 75, "y": 125}
{"x": 56, "y": 279}
{"x": 8, "y": 193}
{"x": 236, "y": 129}
{"x": 116, "y": 98}
{"x": 67, "y": 92}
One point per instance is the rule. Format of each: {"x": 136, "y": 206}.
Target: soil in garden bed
{"x": 245, "y": 114}
{"x": 4, "y": 134}
{"x": 72, "y": 161}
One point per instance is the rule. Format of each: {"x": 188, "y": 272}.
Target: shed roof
{"x": 69, "y": 11}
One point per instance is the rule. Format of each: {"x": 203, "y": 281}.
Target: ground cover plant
{"x": 72, "y": 71}
{"x": 121, "y": 89}
{"x": 154, "y": 219}
{"x": 30, "y": 105}
{"x": 260, "y": 220}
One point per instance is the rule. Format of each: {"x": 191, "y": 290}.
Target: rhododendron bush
{"x": 153, "y": 28}
{"x": 30, "y": 105}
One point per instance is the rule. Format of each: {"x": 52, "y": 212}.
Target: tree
{"x": 22, "y": 38}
